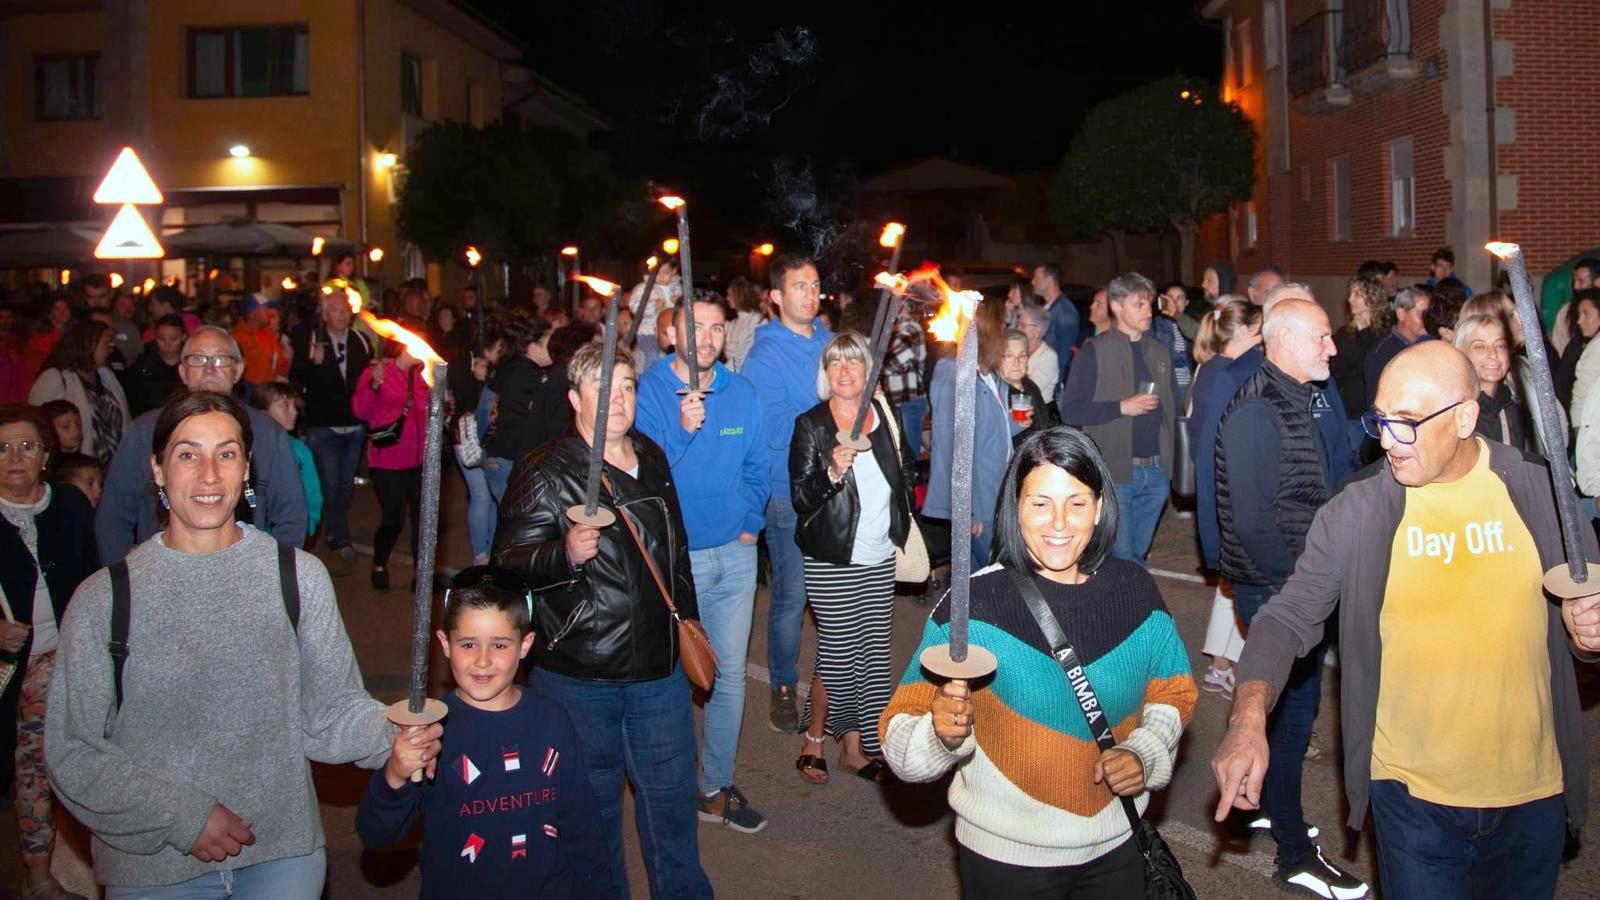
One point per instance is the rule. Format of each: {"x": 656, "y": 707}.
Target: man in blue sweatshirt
{"x": 1326, "y": 408}
{"x": 716, "y": 447}
{"x": 783, "y": 367}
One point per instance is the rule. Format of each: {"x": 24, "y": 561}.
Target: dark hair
{"x": 188, "y": 404}
{"x": 566, "y": 340}
{"x": 522, "y": 332}
{"x": 1588, "y": 262}
{"x": 1370, "y": 269}
{"x": 75, "y": 351}
{"x": 1024, "y": 289}
{"x": 782, "y": 265}
{"x": 12, "y": 413}
{"x": 1051, "y": 271}
{"x": 1590, "y": 294}
{"x": 1443, "y": 253}
{"x": 1161, "y": 290}
{"x": 1069, "y": 449}
{"x": 169, "y": 295}
{"x": 262, "y": 396}
{"x": 59, "y": 408}
{"x": 488, "y": 587}
{"x": 66, "y": 464}
{"x": 171, "y": 320}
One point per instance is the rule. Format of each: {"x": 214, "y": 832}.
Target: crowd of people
{"x": 170, "y": 678}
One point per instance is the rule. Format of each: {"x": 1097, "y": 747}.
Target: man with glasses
{"x": 128, "y": 513}
{"x": 1459, "y": 704}
{"x": 1271, "y": 478}
{"x": 327, "y": 363}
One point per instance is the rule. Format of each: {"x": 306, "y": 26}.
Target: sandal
{"x": 811, "y": 766}
{"x": 876, "y": 771}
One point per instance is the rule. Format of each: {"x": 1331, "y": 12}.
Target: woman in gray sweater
{"x": 190, "y": 766}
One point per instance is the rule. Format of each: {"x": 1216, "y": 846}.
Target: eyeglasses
{"x": 28, "y": 449}
{"x": 1404, "y": 431}
{"x": 214, "y": 361}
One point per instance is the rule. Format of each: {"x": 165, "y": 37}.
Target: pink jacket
{"x": 380, "y": 407}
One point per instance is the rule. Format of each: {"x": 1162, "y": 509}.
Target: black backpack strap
{"x": 121, "y": 601}
{"x": 289, "y": 585}
{"x": 1083, "y": 693}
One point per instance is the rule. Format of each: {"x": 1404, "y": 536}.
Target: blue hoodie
{"x": 720, "y": 470}
{"x": 783, "y": 367}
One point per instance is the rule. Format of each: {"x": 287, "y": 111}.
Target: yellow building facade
{"x": 295, "y": 111}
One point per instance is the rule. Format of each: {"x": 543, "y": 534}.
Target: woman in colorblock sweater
{"x": 1036, "y": 802}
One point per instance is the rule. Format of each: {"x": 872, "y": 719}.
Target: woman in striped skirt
{"x": 853, "y": 509}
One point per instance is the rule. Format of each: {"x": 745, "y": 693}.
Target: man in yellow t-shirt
{"x": 1459, "y": 707}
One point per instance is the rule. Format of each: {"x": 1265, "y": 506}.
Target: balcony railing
{"x": 1312, "y": 67}
{"x": 1375, "y": 43}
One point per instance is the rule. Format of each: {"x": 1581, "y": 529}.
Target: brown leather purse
{"x": 694, "y": 648}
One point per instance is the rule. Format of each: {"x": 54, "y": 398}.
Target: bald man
{"x": 1459, "y": 705}
{"x": 1326, "y": 407}
{"x": 1271, "y": 478}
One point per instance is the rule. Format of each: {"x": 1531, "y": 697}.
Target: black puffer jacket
{"x": 606, "y": 620}
{"x": 827, "y": 513}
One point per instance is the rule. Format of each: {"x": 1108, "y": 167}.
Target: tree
{"x": 517, "y": 195}
{"x": 1165, "y": 155}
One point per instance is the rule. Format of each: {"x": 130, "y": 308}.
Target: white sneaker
{"x": 1218, "y": 681}
{"x": 1316, "y": 877}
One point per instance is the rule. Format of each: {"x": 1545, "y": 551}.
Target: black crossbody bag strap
{"x": 1089, "y": 704}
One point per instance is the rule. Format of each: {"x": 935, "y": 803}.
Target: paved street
{"x": 851, "y": 839}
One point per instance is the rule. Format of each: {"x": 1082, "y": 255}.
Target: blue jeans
{"x": 496, "y": 474}
{"x": 725, "y": 589}
{"x": 294, "y": 878}
{"x": 788, "y": 583}
{"x": 337, "y": 457}
{"x": 1288, "y": 734}
{"x": 1429, "y": 850}
{"x": 1139, "y": 505}
{"x": 912, "y": 412}
{"x": 980, "y": 546}
{"x": 644, "y": 730}
{"x": 481, "y": 509}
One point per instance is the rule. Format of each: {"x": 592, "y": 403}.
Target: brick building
{"x": 1374, "y": 120}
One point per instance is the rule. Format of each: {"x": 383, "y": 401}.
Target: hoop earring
{"x": 165, "y": 503}
{"x": 250, "y": 496}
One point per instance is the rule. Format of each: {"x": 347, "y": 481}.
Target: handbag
{"x": 1183, "y": 466}
{"x": 694, "y": 648}
{"x": 8, "y": 667}
{"x": 1163, "y": 877}
{"x": 389, "y": 435}
{"x": 911, "y": 561}
{"x": 469, "y": 452}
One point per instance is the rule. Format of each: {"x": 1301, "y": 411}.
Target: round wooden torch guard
{"x": 432, "y": 711}
{"x": 602, "y": 518}
{"x": 1558, "y": 581}
{"x": 860, "y": 444}
{"x": 979, "y": 662}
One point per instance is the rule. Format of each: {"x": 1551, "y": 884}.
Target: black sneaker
{"x": 736, "y": 812}
{"x": 784, "y": 719}
{"x": 1316, "y": 877}
{"x": 1264, "y": 824}
{"x": 380, "y": 578}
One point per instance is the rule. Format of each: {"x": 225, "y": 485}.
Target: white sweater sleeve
{"x": 915, "y": 752}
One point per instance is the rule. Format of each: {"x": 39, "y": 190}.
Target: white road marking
{"x": 1178, "y": 576}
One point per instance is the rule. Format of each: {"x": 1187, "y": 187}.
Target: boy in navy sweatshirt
{"x": 510, "y": 812}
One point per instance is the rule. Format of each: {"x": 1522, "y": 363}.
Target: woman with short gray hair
{"x": 1500, "y": 417}
{"x": 854, "y": 509}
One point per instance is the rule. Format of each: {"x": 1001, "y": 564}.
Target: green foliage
{"x": 1149, "y": 159}
{"x": 515, "y": 194}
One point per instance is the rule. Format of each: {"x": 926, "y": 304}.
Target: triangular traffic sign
{"x": 127, "y": 182}
{"x": 129, "y": 238}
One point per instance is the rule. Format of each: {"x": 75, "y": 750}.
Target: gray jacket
{"x": 1345, "y": 566}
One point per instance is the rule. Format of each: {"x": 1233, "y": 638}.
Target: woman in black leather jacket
{"x": 853, "y": 510}
{"x": 607, "y": 648}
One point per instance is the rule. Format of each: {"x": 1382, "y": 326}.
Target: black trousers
{"x": 1117, "y": 875}
{"x": 398, "y": 490}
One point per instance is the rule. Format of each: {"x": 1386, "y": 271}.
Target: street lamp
{"x": 669, "y": 246}
{"x": 239, "y": 151}
{"x": 765, "y": 249}
{"x": 375, "y": 254}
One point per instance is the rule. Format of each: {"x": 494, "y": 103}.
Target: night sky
{"x": 738, "y": 109}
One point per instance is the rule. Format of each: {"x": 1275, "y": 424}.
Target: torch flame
{"x": 670, "y": 246}
{"x": 892, "y": 233}
{"x": 601, "y": 286}
{"x": 375, "y": 254}
{"x": 327, "y": 289}
{"x": 288, "y": 283}
{"x": 316, "y": 245}
{"x": 569, "y": 250}
{"x": 116, "y": 280}
{"x": 957, "y": 310}
{"x": 149, "y": 285}
{"x": 894, "y": 283}
{"x": 671, "y": 202}
{"x": 1501, "y": 249}
{"x": 651, "y": 263}
{"x": 414, "y": 344}
{"x": 473, "y": 256}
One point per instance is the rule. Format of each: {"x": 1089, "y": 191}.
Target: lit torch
{"x": 691, "y": 360}
{"x": 883, "y": 324}
{"x": 418, "y": 709}
{"x": 480, "y": 313}
{"x": 590, "y": 513}
{"x": 1571, "y": 580}
{"x": 957, "y": 659}
{"x": 652, "y": 272}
